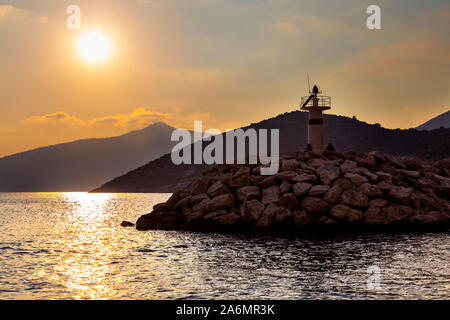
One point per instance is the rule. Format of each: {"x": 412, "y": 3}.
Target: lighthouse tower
{"x": 315, "y": 104}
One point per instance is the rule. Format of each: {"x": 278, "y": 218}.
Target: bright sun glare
{"x": 94, "y": 47}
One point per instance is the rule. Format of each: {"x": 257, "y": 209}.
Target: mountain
{"x": 346, "y": 134}
{"x": 440, "y": 121}
{"x": 83, "y": 164}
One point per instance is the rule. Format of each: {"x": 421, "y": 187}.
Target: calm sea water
{"x": 70, "y": 246}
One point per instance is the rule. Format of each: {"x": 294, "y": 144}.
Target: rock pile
{"x": 310, "y": 191}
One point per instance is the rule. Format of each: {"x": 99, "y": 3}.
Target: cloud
{"x": 405, "y": 80}
{"x": 152, "y": 3}
{"x": 23, "y": 14}
{"x": 137, "y": 119}
{"x": 441, "y": 14}
{"x": 287, "y": 27}
{"x": 298, "y": 25}
{"x": 140, "y": 117}
{"x": 419, "y": 57}
{"x": 7, "y": 10}
{"x": 57, "y": 117}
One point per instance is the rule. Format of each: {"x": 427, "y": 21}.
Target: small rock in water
{"x": 127, "y": 224}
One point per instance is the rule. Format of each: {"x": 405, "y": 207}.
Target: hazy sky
{"x": 226, "y": 62}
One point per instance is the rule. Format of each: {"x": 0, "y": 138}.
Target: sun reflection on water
{"x": 88, "y": 245}
{"x": 86, "y": 265}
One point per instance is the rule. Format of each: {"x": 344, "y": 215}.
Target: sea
{"x": 71, "y": 246}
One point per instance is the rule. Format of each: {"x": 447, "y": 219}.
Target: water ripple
{"x": 70, "y": 246}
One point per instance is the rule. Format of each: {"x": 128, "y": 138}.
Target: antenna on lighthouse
{"x": 309, "y": 87}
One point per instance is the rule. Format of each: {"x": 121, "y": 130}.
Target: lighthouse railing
{"x": 323, "y": 101}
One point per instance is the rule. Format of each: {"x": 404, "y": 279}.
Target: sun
{"x": 94, "y": 47}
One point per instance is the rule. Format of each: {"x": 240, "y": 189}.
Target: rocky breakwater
{"x": 311, "y": 191}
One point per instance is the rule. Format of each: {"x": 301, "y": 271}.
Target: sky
{"x": 225, "y": 62}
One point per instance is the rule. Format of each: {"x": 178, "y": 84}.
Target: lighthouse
{"x": 315, "y": 104}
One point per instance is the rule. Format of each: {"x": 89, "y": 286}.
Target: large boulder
{"x": 283, "y": 216}
{"x": 315, "y": 206}
{"x": 219, "y": 202}
{"x": 354, "y": 199}
{"x": 289, "y": 165}
{"x": 370, "y": 190}
{"x": 215, "y": 215}
{"x": 288, "y": 200}
{"x": 366, "y": 161}
{"x": 392, "y": 214}
{"x": 199, "y": 185}
{"x": 346, "y": 214}
{"x": 302, "y": 218}
{"x": 408, "y": 173}
{"x": 432, "y": 217}
{"x": 194, "y": 218}
{"x": 379, "y": 157}
{"x": 328, "y": 174}
{"x": 240, "y": 178}
{"x": 286, "y": 175}
{"x": 401, "y": 194}
{"x": 333, "y": 194}
{"x": 229, "y": 219}
{"x": 251, "y": 210}
{"x": 373, "y": 216}
{"x": 305, "y": 178}
{"x": 301, "y": 188}
{"x": 318, "y": 190}
{"x": 217, "y": 189}
{"x": 158, "y": 220}
{"x": 373, "y": 178}
{"x": 267, "y": 217}
{"x": 356, "y": 178}
{"x": 444, "y": 185}
{"x": 198, "y": 198}
{"x": 270, "y": 194}
{"x": 319, "y": 162}
{"x": 348, "y": 166}
{"x": 385, "y": 186}
{"x": 267, "y": 182}
{"x": 379, "y": 203}
{"x": 201, "y": 206}
{"x": 248, "y": 193}
{"x": 285, "y": 187}
{"x": 183, "y": 203}
{"x": 175, "y": 198}
{"x": 396, "y": 214}
{"x": 384, "y": 176}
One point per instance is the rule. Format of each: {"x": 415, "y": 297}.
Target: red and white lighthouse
{"x": 315, "y": 104}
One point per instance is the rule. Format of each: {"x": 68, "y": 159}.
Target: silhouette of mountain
{"x": 346, "y": 134}
{"x": 83, "y": 164}
{"x": 441, "y": 121}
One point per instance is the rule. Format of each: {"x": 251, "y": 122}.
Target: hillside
{"x": 344, "y": 133}
{"x": 83, "y": 164}
{"x": 441, "y": 121}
